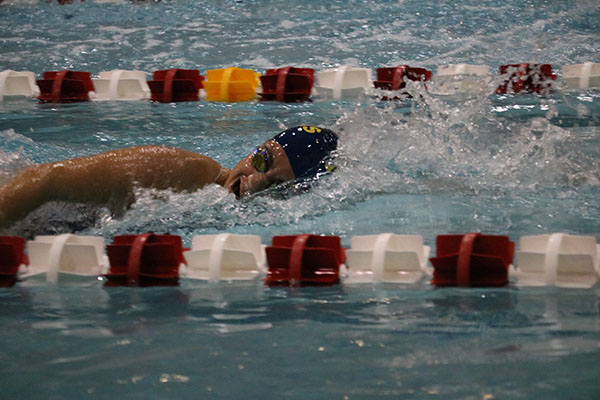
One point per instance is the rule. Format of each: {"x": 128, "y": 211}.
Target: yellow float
{"x": 231, "y": 84}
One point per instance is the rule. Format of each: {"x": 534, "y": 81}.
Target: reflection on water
{"x": 380, "y": 334}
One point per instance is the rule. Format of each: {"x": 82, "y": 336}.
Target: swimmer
{"x": 108, "y": 179}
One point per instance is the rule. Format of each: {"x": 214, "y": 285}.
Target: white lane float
{"x": 558, "y": 259}
{"x": 581, "y": 76}
{"x": 66, "y": 253}
{"x": 18, "y": 84}
{"x": 387, "y": 257}
{"x": 121, "y": 84}
{"x": 344, "y": 82}
{"x": 224, "y": 257}
{"x": 461, "y": 79}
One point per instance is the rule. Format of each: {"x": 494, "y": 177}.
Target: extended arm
{"x": 106, "y": 179}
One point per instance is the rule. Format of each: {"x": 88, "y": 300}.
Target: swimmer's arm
{"x": 23, "y": 194}
{"x": 106, "y": 179}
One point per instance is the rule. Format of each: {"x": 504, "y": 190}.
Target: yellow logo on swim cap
{"x": 311, "y": 129}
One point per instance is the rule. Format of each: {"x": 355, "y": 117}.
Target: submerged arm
{"x": 106, "y": 179}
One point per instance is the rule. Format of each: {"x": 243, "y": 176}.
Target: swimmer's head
{"x": 308, "y": 149}
{"x": 297, "y": 153}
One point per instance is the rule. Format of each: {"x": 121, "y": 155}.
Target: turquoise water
{"x": 514, "y": 165}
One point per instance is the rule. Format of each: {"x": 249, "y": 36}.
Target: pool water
{"x": 511, "y": 165}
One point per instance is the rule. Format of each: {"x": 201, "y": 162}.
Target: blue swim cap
{"x": 307, "y": 148}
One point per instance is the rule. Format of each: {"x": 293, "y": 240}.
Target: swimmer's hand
{"x": 106, "y": 179}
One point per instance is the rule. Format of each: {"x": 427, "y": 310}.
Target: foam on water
{"x": 454, "y": 149}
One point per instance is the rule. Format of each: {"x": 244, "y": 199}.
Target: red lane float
{"x": 472, "y": 259}
{"x": 287, "y": 84}
{"x": 172, "y": 85}
{"x": 12, "y": 256}
{"x": 393, "y": 78}
{"x": 304, "y": 260}
{"x": 65, "y": 86}
{"x": 144, "y": 260}
{"x": 526, "y": 78}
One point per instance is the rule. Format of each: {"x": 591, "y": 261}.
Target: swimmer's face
{"x": 267, "y": 165}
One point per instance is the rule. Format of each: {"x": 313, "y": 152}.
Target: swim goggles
{"x": 261, "y": 159}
